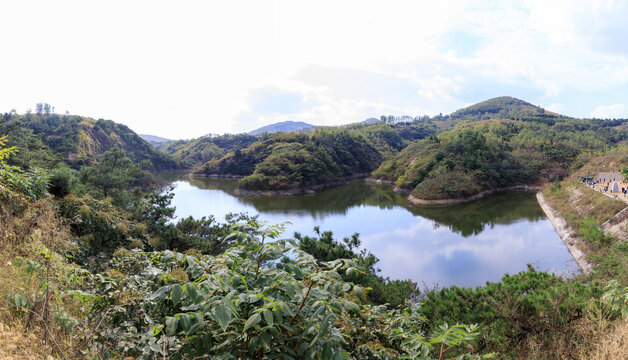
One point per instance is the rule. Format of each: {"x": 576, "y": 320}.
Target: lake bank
{"x": 300, "y": 190}
{"x": 567, "y": 234}
{"x": 478, "y": 196}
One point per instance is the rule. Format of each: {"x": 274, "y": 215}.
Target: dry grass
{"x": 612, "y": 345}
{"x": 24, "y": 235}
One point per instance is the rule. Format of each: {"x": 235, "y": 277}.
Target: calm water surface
{"x": 463, "y": 245}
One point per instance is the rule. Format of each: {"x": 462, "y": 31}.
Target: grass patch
{"x": 586, "y": 210}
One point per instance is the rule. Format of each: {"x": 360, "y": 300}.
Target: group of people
{"x": 610, "y": 186}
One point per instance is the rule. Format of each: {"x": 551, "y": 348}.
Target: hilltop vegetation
{"x": 495, "y": 146}
{"x": 460, "y": 165}
{"x": 288, "y": 161}
{"x": 79, "y": 140}
{"x": 196, "y": 152}
{"x": 498, "y": 143}
{"x": 501, "y": 107}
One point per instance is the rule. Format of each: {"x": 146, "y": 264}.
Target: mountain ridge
{"x": 282, "y": 126}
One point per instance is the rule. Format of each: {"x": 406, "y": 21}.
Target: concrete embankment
{"x": 568, "y": 235}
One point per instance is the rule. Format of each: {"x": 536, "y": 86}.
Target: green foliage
{"x": 64, "y": 180}
{"x": 592, "y": 233}
{"x": 33, "y": 152}
{"x": 617, "y": 297}
{"x": 457, "y": 165}
{"x": 504, "y": 107}
{"x": 254, "y": 302}
{"x": 624, "y": 171}
{"x": 112, "y": 174}
{"x": 298, "y": 161}
{"x": 80, "y": 140}
{"x": 101, "y": 228}
{"x": 525, "y": 305}
{"x": 4, "y": 151}
{"x": 381, "y": 290}
{"x": 198, "y": 151}
{"x": 18, "y": 188}
{"x": 556, "y": 187}
{"x": 514, "y": 147}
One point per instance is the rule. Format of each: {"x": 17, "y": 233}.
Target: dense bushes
{"x": 457, "y": 165}
{"x": 253, "y": 301}
{"x": 527, "y": 305}
{"x": 198, "y": 151}
{"x": 297, "y": 161}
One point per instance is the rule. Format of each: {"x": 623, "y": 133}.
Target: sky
{"x": 183, "y": 69}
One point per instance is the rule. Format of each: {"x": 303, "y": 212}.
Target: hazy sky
{"x": 181, "y": 69}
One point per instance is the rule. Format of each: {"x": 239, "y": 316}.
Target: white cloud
{"x": 610, "y": 111}
{"x": 150, "y": 64}
{"x": 556, "y": 107}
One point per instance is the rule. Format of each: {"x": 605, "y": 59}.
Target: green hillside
{"x": 198, "y": 151}
{"x": 501, "y": 107}
{"x": 297, "y": 161}
{"x": 81, "y": 140}
{"x": 497, "y": 143}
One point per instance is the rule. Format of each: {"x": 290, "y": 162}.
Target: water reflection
{"x": 464, "y": 245}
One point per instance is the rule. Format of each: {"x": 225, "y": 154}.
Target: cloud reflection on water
{"x": 464, "y": 245}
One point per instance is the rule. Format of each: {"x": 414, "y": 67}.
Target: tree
{"x": 114, "y": 171}
{"x": 5, "y": 152}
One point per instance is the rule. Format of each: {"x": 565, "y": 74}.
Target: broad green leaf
{"x": 223, "y": 315}
{"x": 252, "y": 321}
{"x": 175, "y": 296}
{"x": 191, "y": 293}
{"x": 157, "y": 329}
{"x": 351, "y": 307}
{"x": 358, "y": 291}
{"x": 268, "y": 317}
{"x": 185, "y": 321}
{"x": 171, "y": 326}
{"x": 326, "y": 354}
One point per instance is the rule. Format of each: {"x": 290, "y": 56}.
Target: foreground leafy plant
{"x": 258, "y": 300}
{"x": 617, "y": 297}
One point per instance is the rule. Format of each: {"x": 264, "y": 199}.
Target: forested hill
{"x": 81, "y": 140}
{"x": 196, "y": 152}
{"x": 504, "y": 107}
{"x": 517, "y": 144}
{"x": 289, "y": 161}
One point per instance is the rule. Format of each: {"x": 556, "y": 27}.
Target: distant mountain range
{"x": 285, "y": 126}
{"x": 154, "y": 140}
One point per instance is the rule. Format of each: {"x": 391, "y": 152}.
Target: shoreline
{"x": 478, "y": 196}
{"x": 216, "y": 176}
{"x": 567, "y": 234}
{"x": 299, "y": 191}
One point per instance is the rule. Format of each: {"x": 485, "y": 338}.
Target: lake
{"x": 465, "y": 245}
